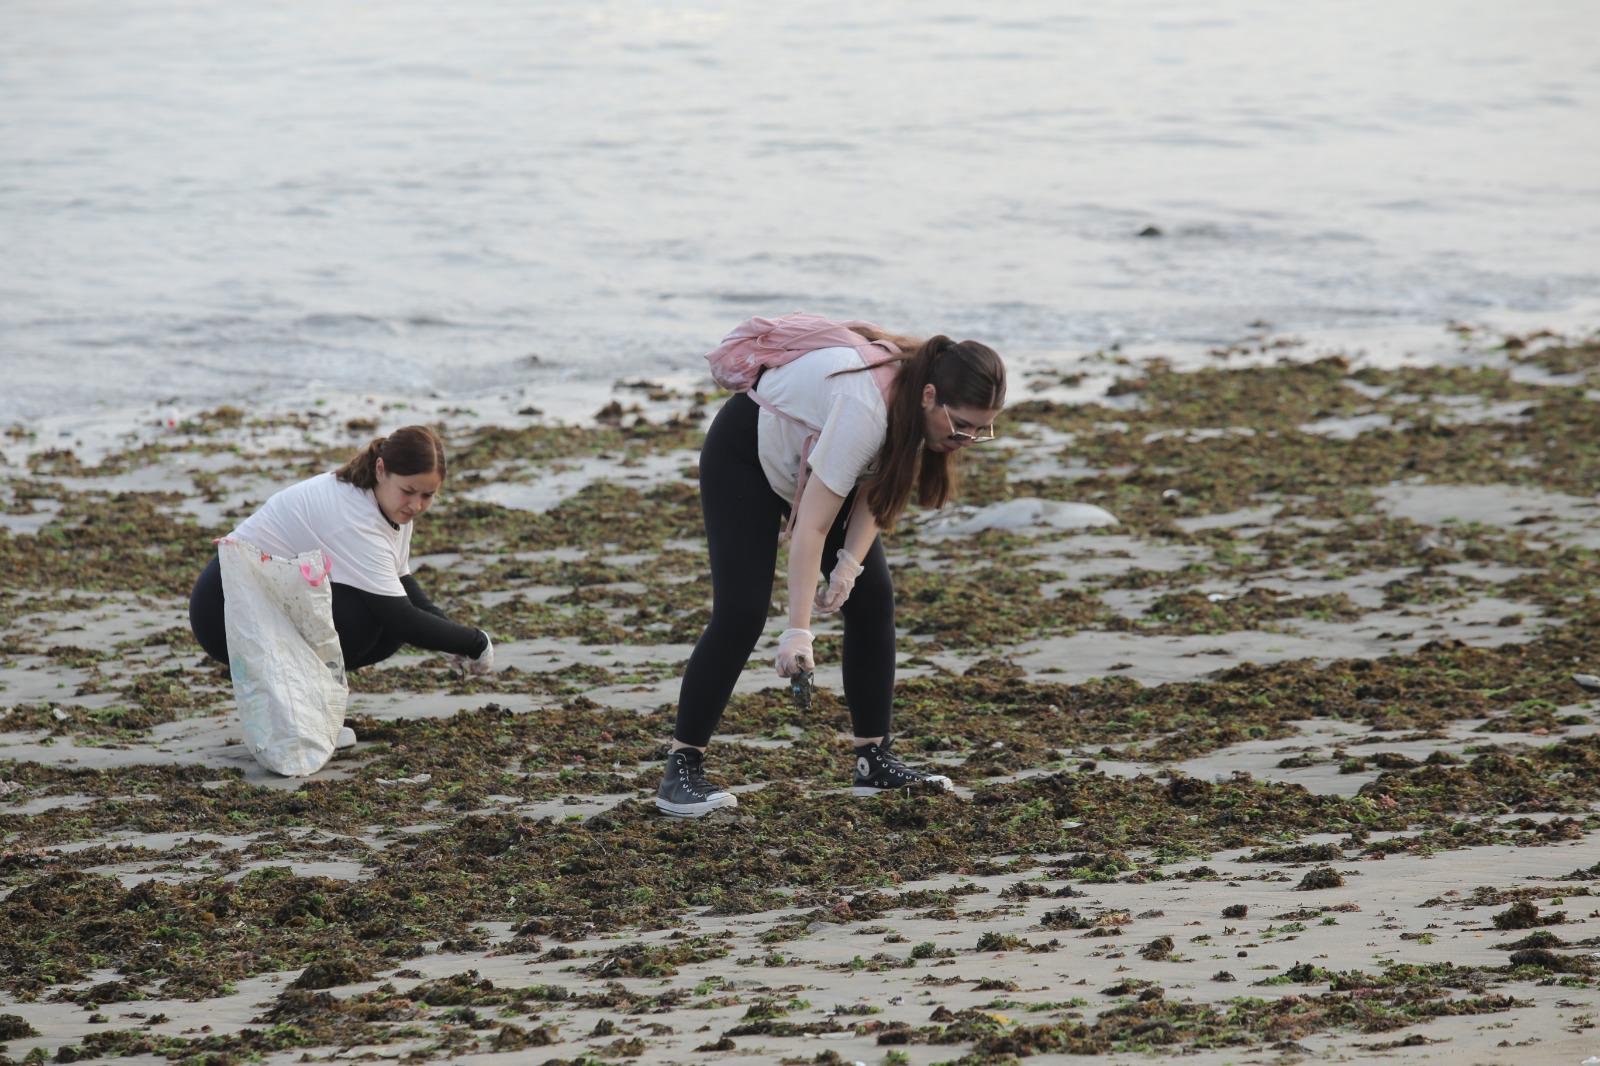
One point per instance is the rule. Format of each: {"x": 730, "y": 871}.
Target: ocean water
{"x": 226, "y": 202}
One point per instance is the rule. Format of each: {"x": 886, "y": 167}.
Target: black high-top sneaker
{"x": 880, "y": 770}
{"x": 684, "y": 790}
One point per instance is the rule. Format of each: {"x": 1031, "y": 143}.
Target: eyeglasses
{"x": 984, "y": 432}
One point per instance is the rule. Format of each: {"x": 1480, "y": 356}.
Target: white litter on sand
{"x": 1020, "y": 513}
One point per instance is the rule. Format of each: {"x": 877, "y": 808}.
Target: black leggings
{"x": 361, "y": 637}
{"x": 743, "y": 516}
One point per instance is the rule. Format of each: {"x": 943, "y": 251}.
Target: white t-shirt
{"x": 365, "y": 551}
{"x": 848, "y": 409}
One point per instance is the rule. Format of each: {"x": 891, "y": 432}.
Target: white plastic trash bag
{"x": 283, "y": 652}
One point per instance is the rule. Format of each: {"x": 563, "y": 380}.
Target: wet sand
{"x": 1287, "y": 764}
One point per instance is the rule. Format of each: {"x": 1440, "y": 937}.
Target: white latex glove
{"x": 843, "y": 579}
{"x": 485, "y": 660}
{"x": 794, "y": 653}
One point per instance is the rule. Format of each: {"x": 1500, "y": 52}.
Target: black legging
{"x": 361, "y": 637}
{"x": 743, "y": 516}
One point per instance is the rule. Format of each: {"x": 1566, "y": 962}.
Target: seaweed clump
{"x": 1321, "y": 877}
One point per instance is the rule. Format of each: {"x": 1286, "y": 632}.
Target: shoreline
{"x": 574, "y": 398}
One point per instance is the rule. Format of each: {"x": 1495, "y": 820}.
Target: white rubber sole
{"x": 867, "y": 790}
{"x": 697, "y": 810}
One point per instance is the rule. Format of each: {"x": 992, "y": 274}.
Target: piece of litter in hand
{"x": 801, "y": 688}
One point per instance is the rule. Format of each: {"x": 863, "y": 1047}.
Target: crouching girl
{"x": 360, "y": 517}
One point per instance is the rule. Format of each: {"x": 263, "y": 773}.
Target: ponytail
{"x": 962, "y": 373}
{"x": 408, "y": 450}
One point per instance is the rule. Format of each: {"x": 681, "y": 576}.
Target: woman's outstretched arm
{"x": 405, "y": 620}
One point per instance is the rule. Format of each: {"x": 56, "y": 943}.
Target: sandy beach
{"x": 1266, "y": 687}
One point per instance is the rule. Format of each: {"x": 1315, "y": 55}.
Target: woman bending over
{"x": 890, "y": 416}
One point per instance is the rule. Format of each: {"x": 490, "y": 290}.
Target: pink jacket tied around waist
{"x": 759, "y": 344}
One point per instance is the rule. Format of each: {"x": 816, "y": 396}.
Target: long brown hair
{"x": 408, "y": 450}
{"x": 963, "y": 374}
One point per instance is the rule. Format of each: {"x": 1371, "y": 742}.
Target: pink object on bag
{"x": 758, "y": 344}
{"x": 312, "y": 577}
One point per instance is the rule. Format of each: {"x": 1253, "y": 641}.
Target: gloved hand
{"x": 843, "y": 579}
{"x": 479, "y": 666}
{"x": 794, "y": 653}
